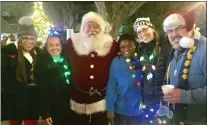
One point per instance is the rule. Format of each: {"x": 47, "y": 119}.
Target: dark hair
{"x": 45, "y": 45}
{"x": 53, "y": 33}
{"x": 126, "y": 36}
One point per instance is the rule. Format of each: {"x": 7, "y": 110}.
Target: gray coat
{"x": 195, "y": 95}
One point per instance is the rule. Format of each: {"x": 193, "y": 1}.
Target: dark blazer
{"x": 19, "y": 101}
{"x": 54, "y": 90}
{"x": 160, "y": 62}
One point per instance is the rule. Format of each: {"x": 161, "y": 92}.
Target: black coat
{"x": 19, "y": 101}
{"x": 160, "y": 62}
{"x": 54, "y": 90}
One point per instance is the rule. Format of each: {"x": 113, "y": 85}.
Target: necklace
{"x": 64, "y": 65}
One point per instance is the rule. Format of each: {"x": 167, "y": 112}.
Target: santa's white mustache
{"x": 92, "y": 33}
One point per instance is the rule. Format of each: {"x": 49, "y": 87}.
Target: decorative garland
{"x": 133, "y": 65}
{"x": 64, "y": 65}
{"x": 188, "y": 62}
{"x": 152, "y": 67}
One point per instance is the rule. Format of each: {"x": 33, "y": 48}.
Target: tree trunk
{"x": 116, "y": 12}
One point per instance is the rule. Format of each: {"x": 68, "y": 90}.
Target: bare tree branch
{"x": 116, "y": 12}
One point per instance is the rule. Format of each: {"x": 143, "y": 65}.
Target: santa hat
{"x": 142, "y": 21}
{"x": 184, "y": 17}
{"x": 94, "y": 17}
{"x": 26, "y": 27}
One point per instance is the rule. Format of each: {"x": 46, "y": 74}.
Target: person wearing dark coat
{"x": 53, "y": 75}
{"x": 153, "y": 52}
{"x": 19, "y": 87}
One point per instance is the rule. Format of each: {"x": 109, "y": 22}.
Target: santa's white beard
{"x": 91, "y": 41}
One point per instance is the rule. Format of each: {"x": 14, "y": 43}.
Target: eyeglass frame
{"x": 177, "y": 29}
{"x": 29, "y": 38}
{"x": 144, "y": 30}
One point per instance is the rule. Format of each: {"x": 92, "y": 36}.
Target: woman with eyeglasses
{"x": 19, "y": 86}
{"x": 54, "y": 77}
{"x": 153, "y": 53}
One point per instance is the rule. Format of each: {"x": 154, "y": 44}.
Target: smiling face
{"x": 127, "y": 48}
{"x": 54, "y": 46}
{"x": 28, "y": 43}
{"x": 92, "y": 28}
{"x": 174, "y": 35}
{"x": 145, "y": 33}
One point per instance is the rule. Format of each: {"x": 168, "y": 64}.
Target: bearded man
{"x": 187, "y": 68}
{"x": 90, "y": 53}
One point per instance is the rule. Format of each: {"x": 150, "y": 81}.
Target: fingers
{"x": 170, "y": 98}
{"x": 49, "y": 121}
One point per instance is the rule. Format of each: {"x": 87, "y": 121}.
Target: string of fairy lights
{"x": 151, "y": 114}
{"x": 64, "y": 65}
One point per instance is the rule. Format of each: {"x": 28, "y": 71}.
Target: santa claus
{"x": 90, "y": 53}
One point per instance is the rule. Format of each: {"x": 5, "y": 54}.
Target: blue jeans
{"x": 127, "y": 120}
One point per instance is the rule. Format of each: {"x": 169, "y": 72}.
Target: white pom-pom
{"x": 186, "y": 42}
{"x": 26, "y": 20}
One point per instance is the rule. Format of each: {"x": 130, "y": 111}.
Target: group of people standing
{"x": 92, "y": 79}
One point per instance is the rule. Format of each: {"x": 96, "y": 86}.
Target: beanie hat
{"x": 174, "y": 19}
{"x": 94, "y": 17}
{"x": 26, "y": 27}
{"x": 142, "y": 21}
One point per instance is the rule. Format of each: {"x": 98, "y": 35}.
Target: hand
{"x": 173, "y": 97}
{"x": 110, "y": 116}
{"x": 49, "y": 121}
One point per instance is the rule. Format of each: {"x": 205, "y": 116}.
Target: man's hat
{"x": 184, "y": 17}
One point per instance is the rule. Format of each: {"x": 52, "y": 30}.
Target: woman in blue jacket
{"x": 123, "y": 94}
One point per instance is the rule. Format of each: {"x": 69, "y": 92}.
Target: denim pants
{"x": 127, "y": 120}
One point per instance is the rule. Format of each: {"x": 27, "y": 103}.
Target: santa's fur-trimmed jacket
{"x": 90, "y": 73}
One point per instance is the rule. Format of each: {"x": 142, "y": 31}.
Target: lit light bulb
{"x": 61, "y": 60}
{"x": 67, "y": 73}
{"x": 153, "y": 67}
{"x": 130, "y": 67}
{"x": 65, "y": 66}
{"x": 160, "y": 121}
{"x": 151, "y": 121}
{"x": 138, "y": 83}
{"x": 151, "y": 110}
{"x": 144, "y": 106}
{"x": 151, "y": 57}
{"x": 141, "y": 58}
{"x": 135, "y": 54}
{"x": 133, "y": 76}
{"x": 67, "y": 81}
{"x": 164, "y": 122}
{"x": 146, "y": 116}
{"x": 127, "y": 60}
{"x": 149, "y": 76}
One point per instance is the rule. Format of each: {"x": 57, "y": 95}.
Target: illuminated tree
{"x": 41, "y": 22}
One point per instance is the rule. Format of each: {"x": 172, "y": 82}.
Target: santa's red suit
{"x": 90, "y": 71}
